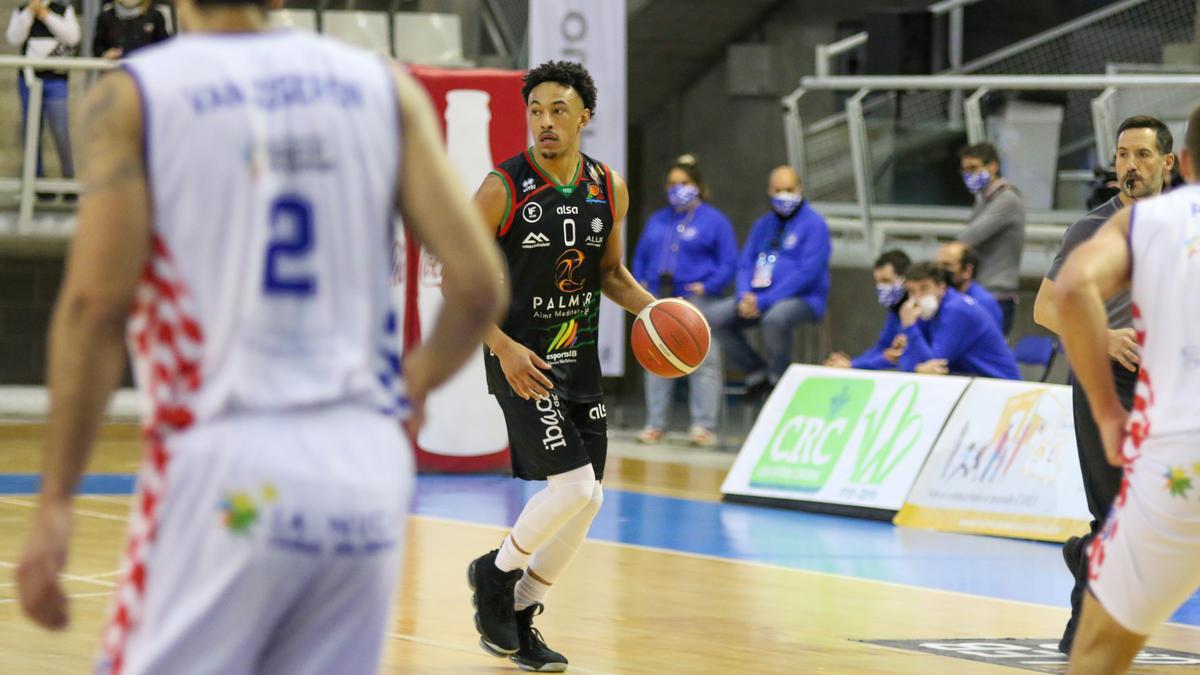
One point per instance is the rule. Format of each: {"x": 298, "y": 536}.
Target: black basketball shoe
{"x": 534, "y": 655}
{"x": 493, "y": 599}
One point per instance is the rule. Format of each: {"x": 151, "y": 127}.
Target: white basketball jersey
{"x": 1164, "y": 248}
{"x": 272, "y": 163}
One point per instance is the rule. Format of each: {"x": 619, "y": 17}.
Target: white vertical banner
{"x": 592, "y": 33}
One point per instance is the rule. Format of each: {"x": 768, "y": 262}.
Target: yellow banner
{"x": 1019, "y": 526}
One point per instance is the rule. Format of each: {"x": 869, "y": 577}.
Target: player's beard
{"x": 548, "y": 154}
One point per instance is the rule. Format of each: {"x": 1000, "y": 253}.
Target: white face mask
{"x": 928, "y": 304}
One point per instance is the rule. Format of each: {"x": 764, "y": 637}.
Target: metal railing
{"x": 865, "y": 207}
{"x": 28, "y": 184}
{"x": 1131, "y": 31}
{"x": 825, "y": 53}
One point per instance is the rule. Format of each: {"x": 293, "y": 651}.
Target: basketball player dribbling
{"x": 1142, "y": 564}
{"x": 556, "y": 214}
{"x": 239, "y": 192}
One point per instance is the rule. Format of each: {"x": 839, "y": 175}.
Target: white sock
{"x": 565, "y": 495}
{"x": 529, "y": 591}
{"x": 551, "y": 560}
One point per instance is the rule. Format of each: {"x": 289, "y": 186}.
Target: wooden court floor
{"x": 620, "y": 609}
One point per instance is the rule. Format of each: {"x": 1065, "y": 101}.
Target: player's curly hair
{"x": 566, "y": 73}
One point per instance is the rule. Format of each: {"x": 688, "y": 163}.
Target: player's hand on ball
{"x": 45, "y": 556}
{"x": 523, "y": 370}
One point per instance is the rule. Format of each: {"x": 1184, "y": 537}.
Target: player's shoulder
{"x": 517, "y": 166}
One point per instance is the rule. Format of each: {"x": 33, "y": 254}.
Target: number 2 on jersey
{"x": 291, "y": 241}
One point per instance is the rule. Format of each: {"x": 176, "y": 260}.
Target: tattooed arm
{"x": 108, "y": 251}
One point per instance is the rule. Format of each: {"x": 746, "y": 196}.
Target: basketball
{"x": 670, "y": 337}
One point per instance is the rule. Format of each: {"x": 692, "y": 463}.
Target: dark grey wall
{"x": 28, "y": 286}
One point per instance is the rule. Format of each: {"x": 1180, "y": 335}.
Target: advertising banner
{"x": 846, "y": 438}
{"x": 484, "y": 120}
{"x": 1005, "y": 465}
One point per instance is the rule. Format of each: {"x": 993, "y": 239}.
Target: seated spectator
{"x": 889, "y": 291}
{"x": 782, "y": 280}
{"x": 687, "y": 250}
{"x": 949, "y": 333}
{"x": 961, "y": 264}
{"x": 996, "y": 229}
{"x": 47, "y": 29}
{"x": 125, "y": 26}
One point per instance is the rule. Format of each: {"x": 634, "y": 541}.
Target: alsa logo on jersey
{"x": 567, "y": 210}
{"x": 597, "y": 412}
{"x": 535, "y": 240}
{"x": 532, "y": 212}
{"x": 527, "y": 185}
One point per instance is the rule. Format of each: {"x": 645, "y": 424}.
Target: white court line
{"x": 30, "y": 504}
{"x": 477, "y": 651}
{"x": 68, "y": 577}
{"x": 754, "y": 563}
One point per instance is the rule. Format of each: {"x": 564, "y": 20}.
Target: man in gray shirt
{"x": 996, "y": 230}
{"x": 1144, "y": 160}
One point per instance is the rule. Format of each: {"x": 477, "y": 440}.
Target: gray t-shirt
{"x": 1119, "y": 313}
{"x": 996, "y": 231}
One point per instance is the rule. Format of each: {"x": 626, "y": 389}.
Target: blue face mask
{"x": 681, "y": 196}
{"x": 889, "y": 294}
{"x": 785, "y": 203}
{"x": 977, "y": 181}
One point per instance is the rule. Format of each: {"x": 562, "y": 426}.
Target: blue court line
{"x": 982, "y": 566}
{"x": 92, "y": 484}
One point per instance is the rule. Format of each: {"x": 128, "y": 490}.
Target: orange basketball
{"x": 670, "y": 337}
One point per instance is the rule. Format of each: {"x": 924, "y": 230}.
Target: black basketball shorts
{"x": 554, "y": 435}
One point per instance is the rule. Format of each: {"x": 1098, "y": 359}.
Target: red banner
{"x": 483, "y": 121}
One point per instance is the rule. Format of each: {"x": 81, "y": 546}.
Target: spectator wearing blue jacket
{"x": 688, "y": 250}
{"x": 889, "y": 271}
{"x": 961, "y": 263}
{"x": 782, "y": 280}
{"x": 948, "y": 332}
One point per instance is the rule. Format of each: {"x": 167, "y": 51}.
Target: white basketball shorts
{"x": 1143, "y": 565}
{"x": 265, "y": 543}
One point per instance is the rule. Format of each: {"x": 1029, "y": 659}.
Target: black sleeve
{"x": 1076, "y": 234}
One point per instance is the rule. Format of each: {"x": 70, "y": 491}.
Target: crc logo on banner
{"x": 843, "y": 437}
{"x": 1006, "y": 464}
{"x": 823, "y": 416}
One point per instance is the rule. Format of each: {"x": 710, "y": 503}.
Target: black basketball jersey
{"x": 553, "y": 237}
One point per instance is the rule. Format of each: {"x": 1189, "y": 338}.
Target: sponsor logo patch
{"x": 567, "y": 275}
{"x": 535, "y": 240}
{"x": 532, "y": 212}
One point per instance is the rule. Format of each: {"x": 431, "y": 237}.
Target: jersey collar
{"x": 565, "y": 188}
